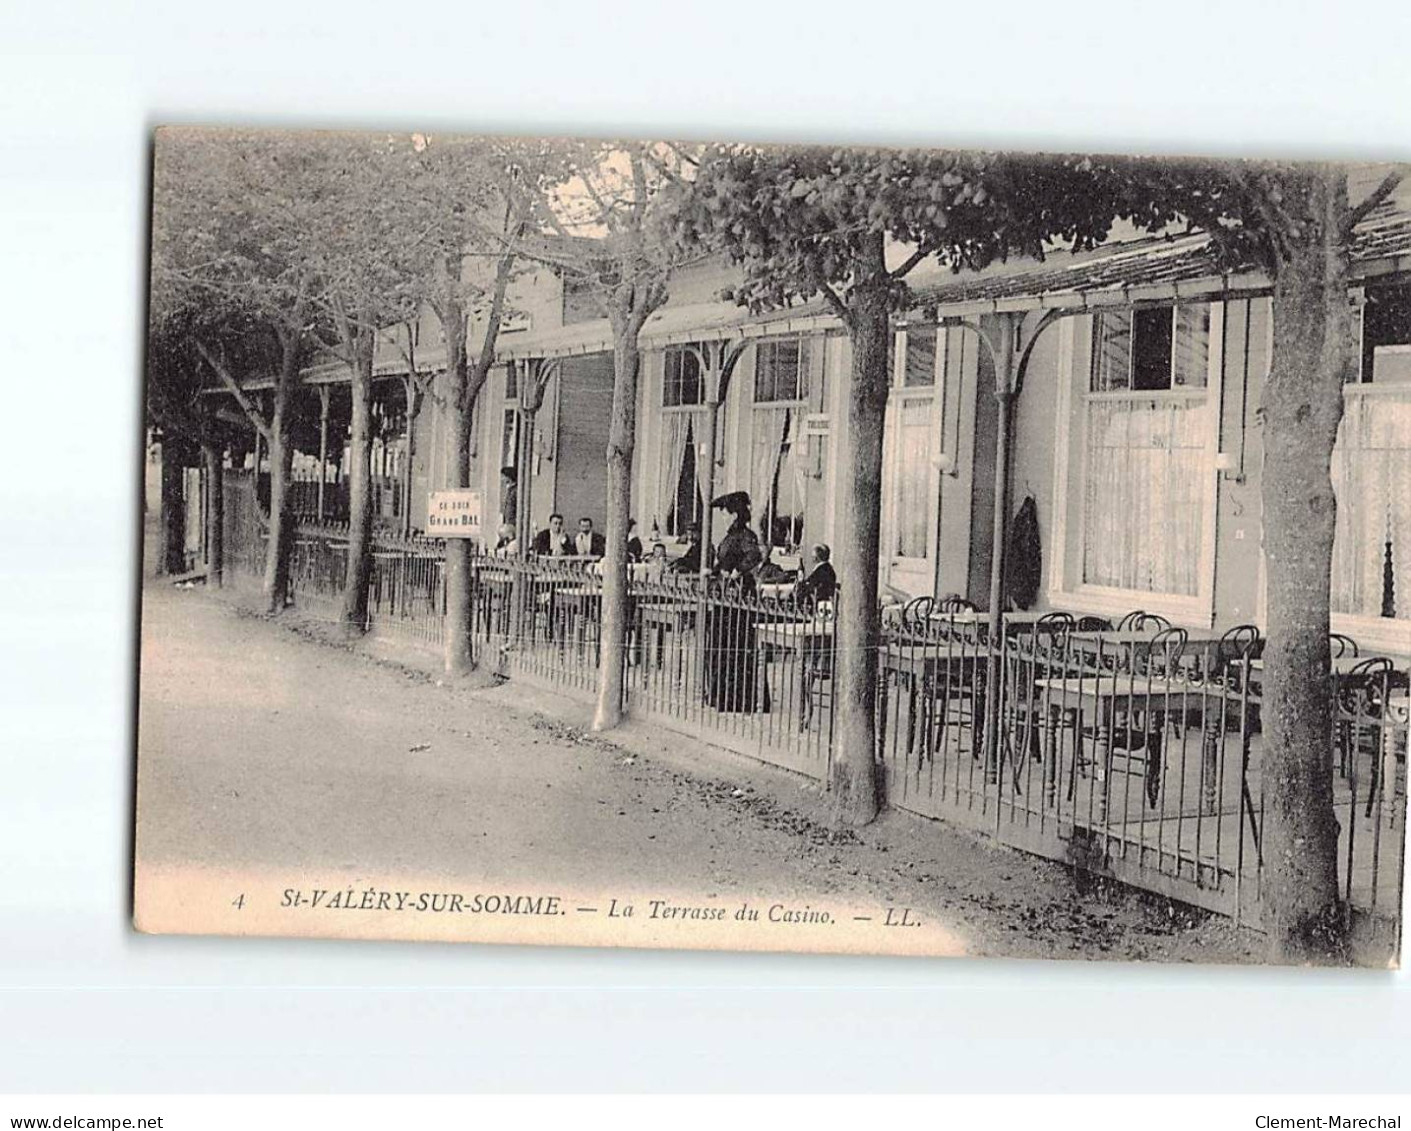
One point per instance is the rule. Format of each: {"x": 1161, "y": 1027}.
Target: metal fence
{"x": 1131, "y": 751}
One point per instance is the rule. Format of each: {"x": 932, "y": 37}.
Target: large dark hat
{"x": 734, "y": 501}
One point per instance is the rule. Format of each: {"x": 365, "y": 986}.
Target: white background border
{"x": 88, "y": 1005}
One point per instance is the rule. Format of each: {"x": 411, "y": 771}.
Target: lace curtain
{"x": 676, "y": 434}
{"x": 1143, "y": 505}
{"x": 1372, "y": 479}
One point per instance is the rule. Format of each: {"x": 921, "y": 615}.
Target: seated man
{"x": 589, "y": 543}
{"x": 821, "y": 584}
{"x": 553, "y": 542}
{"x": 690, "y": 562}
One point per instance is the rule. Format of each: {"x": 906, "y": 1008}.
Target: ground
{"x": 277, "y": 753}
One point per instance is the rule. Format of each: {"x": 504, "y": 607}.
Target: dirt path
{"x": 264, "y": 751}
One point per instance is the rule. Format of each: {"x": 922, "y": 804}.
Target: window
{"x": 679, "y": 499}
{"x": 1372, "y": 467}
{"x": 681, "y": 381}
{"x": 1147, "y": 428}
{"x": 1151, "y": 350}
{"x": 511, "y": 382}
{"x": 509, "y": 439}
{"x": 920, "y": 371}
{"x": 781, "y": 371}
{"x": 1386, "y": 336}
{"x": 778, "y": 452}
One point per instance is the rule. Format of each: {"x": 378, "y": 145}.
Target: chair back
{"x": 1162, "y": 658}
{"x": 1362, "y": 690}
{"x": 916, "y": 612}
{"x": 954, "y": 603}
{"x": 1140, "y": 621}
{"x": 1340, "y": 646}
{"x": 1236, "y": 648}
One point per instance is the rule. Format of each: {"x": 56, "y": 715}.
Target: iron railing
{"x": 1135, "y": 754}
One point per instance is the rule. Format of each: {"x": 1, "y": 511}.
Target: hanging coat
{"x": 1023, "y": 562}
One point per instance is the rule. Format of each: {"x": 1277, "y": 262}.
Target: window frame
{"x": 1073, "y": 594}
{"x": 1392, "y": 634}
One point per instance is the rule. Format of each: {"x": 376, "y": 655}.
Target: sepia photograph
{"x": 797, "y": 548}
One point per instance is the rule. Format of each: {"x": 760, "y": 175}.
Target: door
{"x": 911, "y": 478}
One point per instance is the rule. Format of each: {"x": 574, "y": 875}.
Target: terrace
{"x": 1131, "y": 750}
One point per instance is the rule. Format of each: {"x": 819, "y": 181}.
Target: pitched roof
{"x": 1150, "y": 269}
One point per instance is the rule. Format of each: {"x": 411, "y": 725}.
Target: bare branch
{"x": 911, "y": 261}
{"x": 1377, "y": 196}
{"x": 256, "y": 417}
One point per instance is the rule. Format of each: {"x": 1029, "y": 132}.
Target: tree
{"x": 360, "y": 247}
{"x": 231, "y": 217}
{"x": 180, "y": 412}
{"x": 1295, "y": 221}
{"x": 470, "y": 202}
{"x": 814, "y": 222}
{"x": 614, "y": 197}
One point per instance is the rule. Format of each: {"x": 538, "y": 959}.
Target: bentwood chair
{"x": 1341, "y": 646}
{"x": 1138, "y": 712}
{"x": 1036, "y": 654}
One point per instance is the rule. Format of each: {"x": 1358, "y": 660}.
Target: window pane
{"x": 1143, "y": 507}
{"x": 913, "y": 478}
{"x": 1372, "y": 479}
{"x": 764, "y": 372}
{"x": 509, "y": 449}
{"x": 671, "y": 379}
{"x": 1151, "y": 349}
{"x": 511, "y": 381}
{"x": 1190, "y": 356}
{"x": 779, "y": 371}
{"x": 1112, "y": 348}
{"x": 690, "y": 377}
{"x": 1386, "y": 335}
{"x": 920, "y": 357}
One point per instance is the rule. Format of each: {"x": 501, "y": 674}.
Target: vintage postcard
{"x": 665, "y": 544}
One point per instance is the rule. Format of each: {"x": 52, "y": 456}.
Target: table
{"x": 813, "y": 639}
{"x": 1107, "y": 686}
{"x": 661, "y": 614}
{"x": 926, "y": 666}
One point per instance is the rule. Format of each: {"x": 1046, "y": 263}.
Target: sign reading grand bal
{"x": 453, "y": 514}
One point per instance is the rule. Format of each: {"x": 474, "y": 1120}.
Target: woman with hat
{"x": 732, "y": 647}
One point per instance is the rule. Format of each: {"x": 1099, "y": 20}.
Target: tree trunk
{"x": 459, "y": 655}
{"x": 627, "y": 361}
{"x": 215, "y": 517}
{"x": 172, "y": 558}
{"x": 853, "y": 776}
{"x": 355, "y": 586}
{"x": 281, "y": 461}
{"x": 281, "y": 518}
{"x": 1302, "y": 406}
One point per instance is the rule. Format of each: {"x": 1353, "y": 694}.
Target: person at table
{"x": 821, "y": 584}
{"x": 509, "y": 495}
{"x": 553, "y": 542}
{"x": 690, "y": 561}
{"x": 732, "y": 644}
{"x": 505, "y": 540}
{"x": 657, "y": 566}
{"x": 634, "y": 543}
{"x": 589, "y": 543}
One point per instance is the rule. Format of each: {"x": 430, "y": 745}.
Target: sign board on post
{"x": 453, "y": 514}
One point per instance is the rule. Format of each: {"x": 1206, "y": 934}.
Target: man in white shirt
{"x": 588, "y": 544}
